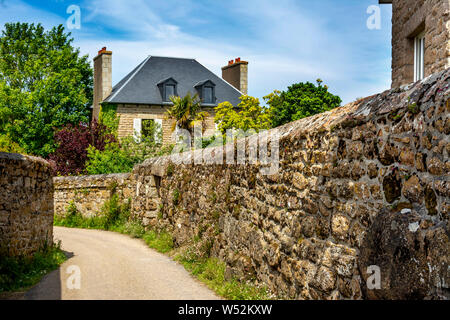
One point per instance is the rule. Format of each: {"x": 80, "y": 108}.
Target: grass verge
{"x": 19, "y": 274}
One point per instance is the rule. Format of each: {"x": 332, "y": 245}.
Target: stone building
{"x": 420, "y": 39}
{"x": 143, "y": 95}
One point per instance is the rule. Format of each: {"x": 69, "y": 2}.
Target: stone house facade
{"x": 420, "y": 39}
{"x": 144, "y": 94}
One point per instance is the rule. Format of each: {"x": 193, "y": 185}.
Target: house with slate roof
{"x": 143, "y": 94}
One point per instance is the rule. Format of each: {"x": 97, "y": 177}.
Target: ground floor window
{"x": 150, "y": 129}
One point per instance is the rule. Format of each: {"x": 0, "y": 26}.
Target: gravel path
{"x": 113, "y": 266}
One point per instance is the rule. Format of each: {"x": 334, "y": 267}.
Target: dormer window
{"x": 206, "y": 91}
{"x": 167, "y": 88}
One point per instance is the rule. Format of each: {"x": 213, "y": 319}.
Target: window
{"x": 208, "y": 94}
{"x": 169, "y": 91}
{"x": 151, "y": 129}
{"x": 419, "y": 51}
{"x": 206, "y": 91}
{"x": 167, "y": 88}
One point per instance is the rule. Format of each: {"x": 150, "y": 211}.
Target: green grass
{"x": 211, "y": 271}
{"x": 160, "y": 241}
{"x": 19, "y": 274}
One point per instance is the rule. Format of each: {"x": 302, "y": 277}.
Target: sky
{"x": 284, "y": 41}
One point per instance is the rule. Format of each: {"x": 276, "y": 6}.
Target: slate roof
{"x": 140, "y": 86}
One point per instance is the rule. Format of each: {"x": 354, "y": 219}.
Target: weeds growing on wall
{"x": 113, "y": 215}
{"x": 19, "y": 274}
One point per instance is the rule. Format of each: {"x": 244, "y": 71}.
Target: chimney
{"x": 102, "y": 79}
{"x": 236, "y": 74}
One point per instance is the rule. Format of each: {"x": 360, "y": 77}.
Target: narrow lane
{"x": 113, "y": 266}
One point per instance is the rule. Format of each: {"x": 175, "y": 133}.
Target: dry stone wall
{"x": 26, "y": 206}
{"x": 89, "y": 193}
{"x": 363, "y": 185}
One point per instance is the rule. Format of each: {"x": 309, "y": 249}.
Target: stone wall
{"x": 26, "y": 206}
{"x": 365, "y": 184}
{"x": 410, "y": 17}
{"x": 89, "y": 193}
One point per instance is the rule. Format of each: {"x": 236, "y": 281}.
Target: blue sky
{"x": 285, "y": 41}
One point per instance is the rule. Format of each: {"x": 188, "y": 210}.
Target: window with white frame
{"x": 419, "y": 61}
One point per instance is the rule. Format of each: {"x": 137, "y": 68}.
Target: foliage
{"x": 186, "y": 111}
{"x": 6, "y": 145}
{"x": 19, "y": 274}
{"x": 133, "y": 228}
{"x": 121, "y": 157}
{"x": 249, "y": 115}
{"x": 211, "y": 271}
{"x": 113, "y": 215}
{"x": 299, "y": 101}
{"x": 73, "y": 143}
{"x": 44, "y": 85}
{"x": 160, "y": 241}
{"x": 108, "y": 117}
{"x": 151, "y": 130}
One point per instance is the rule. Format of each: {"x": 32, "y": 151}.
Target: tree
{"x": 186, "y": 112}
{"x": 73, "y": 142}
{"x": 44, "y": 85}
{"x": 301, "y": 100}
{"x": 6, "y": 145}
{"x": 249, "y": 115}
{"x": 122, "y": 157}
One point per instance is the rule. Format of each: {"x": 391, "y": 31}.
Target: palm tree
{"x": 186, "y": 112}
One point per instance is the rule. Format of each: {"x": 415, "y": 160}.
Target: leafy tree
{"x": 186, "y": 111}
{"x": 44, "y": 85}
{"x": 73, "y": 142}
{"x": 249, "y": 115}
{"x": 301, "y": 100}
{"x": 6, "y": 145}
{"x": 121, "y": 157}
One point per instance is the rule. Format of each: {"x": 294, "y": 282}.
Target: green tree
{"x": 248, "y": 115}
{"x": 44, "y": 85}
{"x": 122, "y": 157}
{"x": 301, "y": 100}
{"x": 6, "y": 145}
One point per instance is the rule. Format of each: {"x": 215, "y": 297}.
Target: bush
{"x": 7, "y": 145}
{"x": 122, "y": 157}
{"x": 112, "y": 215}
{"x": 73, "y": 143}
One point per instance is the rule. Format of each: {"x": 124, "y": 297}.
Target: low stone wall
{"x": 26, "y": 206}
{"x": 363, "y": 185}
{"x": 89, "y": 193}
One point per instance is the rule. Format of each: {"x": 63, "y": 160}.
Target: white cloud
{"x": 284, "y": 43}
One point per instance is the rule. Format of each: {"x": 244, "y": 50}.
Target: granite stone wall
{"x": 363, "y": 185}
{"x": 26, "y": 206}
{"x": 89, "y": 193}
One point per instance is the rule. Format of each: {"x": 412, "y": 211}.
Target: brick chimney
{"x": 102, "y": 79}
{"x": 236, "y": 74}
